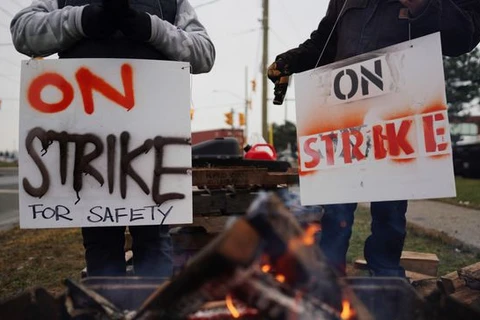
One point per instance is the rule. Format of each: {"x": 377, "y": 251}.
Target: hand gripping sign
{"x": 104, "y": 143}
{"x": 375, "y": 127}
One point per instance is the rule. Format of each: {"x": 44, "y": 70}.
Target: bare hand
{"x": 415, "y": 7}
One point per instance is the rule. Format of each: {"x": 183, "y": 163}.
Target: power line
{"x": 10, "y": 62}
{"x": 9, "y": 78}
{"x": 205, "y": 4}
{"x": 6, "y": 12}
{"x": 278, "y": 37}
{"x": 17, "y": 4}
{"x": 6, "y": 44}
{"x": 289, "y": 18}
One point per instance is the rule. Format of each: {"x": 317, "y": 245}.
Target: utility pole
{"x": 247, "y": 102}
{"x": 233, "y": 122}
{"x": 264, "y": 70}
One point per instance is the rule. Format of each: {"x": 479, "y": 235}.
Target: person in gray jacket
{"x": 141, "y": 29}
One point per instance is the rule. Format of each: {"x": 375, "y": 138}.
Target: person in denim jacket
{"x": 353, "y": 27}
{"x": 141, "y": 29}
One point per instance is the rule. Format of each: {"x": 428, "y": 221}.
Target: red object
{"x": 261, "y": 151}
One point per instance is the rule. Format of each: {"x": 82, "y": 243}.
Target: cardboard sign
{"x": 104, "y": 142}
{"x": 375, "y": 127}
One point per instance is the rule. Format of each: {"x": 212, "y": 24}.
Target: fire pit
{"x": 264, "y": 265}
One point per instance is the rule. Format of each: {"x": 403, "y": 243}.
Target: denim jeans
{"x": 105, "y": 254}
{"x": 383, "y": 247}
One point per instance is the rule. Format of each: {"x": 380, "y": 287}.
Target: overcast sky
{"x": 235, "y": 28}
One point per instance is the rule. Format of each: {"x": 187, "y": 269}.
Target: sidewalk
{"x": 457, "y": 222}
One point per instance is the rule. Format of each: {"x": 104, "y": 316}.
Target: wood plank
{"x": 420, "y": 262}
{"x": 471, "y": 276}
{"x": 417, "y": 262}
{"x": 468, "y": 297}
{"x": 214, "y": 177}
{"x": 473, "y": 268}
{"x": 414, "y": 277}
{"x": 451, "y": 282}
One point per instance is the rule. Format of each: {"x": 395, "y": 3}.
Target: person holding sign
{"x": 148, "y": 29}
{"x": 351, "y": 28}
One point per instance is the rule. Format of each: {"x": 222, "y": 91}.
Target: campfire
{"x": 264, "y": 265}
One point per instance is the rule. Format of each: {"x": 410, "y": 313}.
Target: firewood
{"x": 414, "y": 277}
{"x": 229, "y": 260}
{"x": 418, "y": 262}
{"x": 467, "y": 297}
{"x": 206, "y": 276}
{"x": 453, "y": 282}
{"x": 472, "y": 279}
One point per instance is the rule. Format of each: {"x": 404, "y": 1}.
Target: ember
{"x": 266, "y": 268}
{"x": 280, "y": 278}
{"x": 347, "y": 312}
{"x": 231, "y": 307}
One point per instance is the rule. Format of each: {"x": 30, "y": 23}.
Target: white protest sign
{"x": 375, "y": 127}
{"x": 104, "y": 142}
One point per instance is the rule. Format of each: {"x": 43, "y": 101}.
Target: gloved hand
{"x": 277, "y": 70}
{"x": 97, "y": 23}
{"x": 133, "y": 24}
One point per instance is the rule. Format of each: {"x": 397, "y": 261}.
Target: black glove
{"x": 97, "y": 23}
{"x": 277, "y": 70}
{"x": 133, "y": 24}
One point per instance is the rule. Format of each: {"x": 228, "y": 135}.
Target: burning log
{"x": 275, "y": 301}
{"x": 227, "y": 309}
{"x": 292, "y": 252}
{"x": 230, "y": 262}
{"x": 208, "y": 276}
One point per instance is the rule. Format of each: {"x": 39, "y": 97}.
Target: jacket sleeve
{"x": 307, "y": 55}
{"x": 457, "y": 20}
{"x": 42, "y": 29}
{"x": 187, "y": 40}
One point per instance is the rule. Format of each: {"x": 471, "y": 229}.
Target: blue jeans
{"x": 383, "y": 247}
{"x": 105, "y": 254}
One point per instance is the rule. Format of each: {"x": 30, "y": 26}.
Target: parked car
{"x": 466, "y": 157}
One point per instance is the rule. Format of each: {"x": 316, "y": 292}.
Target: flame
{"x": 347, "y": 311}
{"x": 231, "y": 307}
{"x": 306, "y": 239}
{"x": 266, "y": 268}
{"x": 280, "y": 278}
{"x": 309, "y": 236}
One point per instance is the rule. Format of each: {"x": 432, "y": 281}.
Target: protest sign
{"x": 375, "y": 127}
{"x": 104, "y": 142}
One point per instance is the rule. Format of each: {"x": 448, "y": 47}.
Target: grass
{"x": 452, "y": 254}
{"x": 8, "y": 164}
{"x": 468, "y": 193}
{"x": 39, "y": 258}
{"x": 46, "y": 257}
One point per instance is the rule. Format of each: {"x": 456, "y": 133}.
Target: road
{"x": 8, "y": 198}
